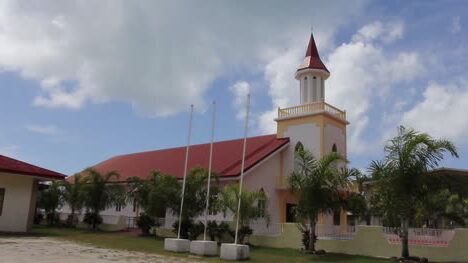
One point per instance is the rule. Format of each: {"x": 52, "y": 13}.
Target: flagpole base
{"x": 177, "y": 245}
{"x": 231, "y": 251}
{"x": 204, "y": 248}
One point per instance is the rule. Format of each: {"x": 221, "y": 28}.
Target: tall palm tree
{"x": 401, "y": 179}
{"x": 74, "y": 196}
{"x": 317, "y": 184}
{"x": 101, "y": 194}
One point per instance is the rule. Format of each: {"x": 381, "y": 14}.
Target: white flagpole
{"x": 242, "y": 166}
{"x": 185, "y": 170}
{"x": 213, "y": 119}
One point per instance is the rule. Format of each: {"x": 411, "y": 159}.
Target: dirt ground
{"x": 50, "y": 250}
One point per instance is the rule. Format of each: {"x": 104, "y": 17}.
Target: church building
{"x": 319, "y": 126}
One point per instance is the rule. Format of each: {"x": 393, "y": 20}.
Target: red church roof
{"x": 312, "y": 58}
{"x": 10, "y": 165}
{"x": 227, "y": 156}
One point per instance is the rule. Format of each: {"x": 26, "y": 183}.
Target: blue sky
{"x": 83, "y": 81}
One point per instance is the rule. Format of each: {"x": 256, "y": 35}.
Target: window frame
{"x": 2, "y": 199}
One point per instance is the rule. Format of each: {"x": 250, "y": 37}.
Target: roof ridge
{"x": 192, "y": 145}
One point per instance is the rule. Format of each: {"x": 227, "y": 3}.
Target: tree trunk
{"x": 404, "y": 237}
{"x": 312, "y": 237}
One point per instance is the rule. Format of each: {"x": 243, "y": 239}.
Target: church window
{"x": 322, "y": 89}
{"x": 334, "y": 149}
{"x": 2, "y": 197}
{"x": 336, "y": 217}
{"x": 299, "y": 146}
{"x": 306, "y": 87}
{"x": 314, "y": 89}
{"x": 261, "y": 205}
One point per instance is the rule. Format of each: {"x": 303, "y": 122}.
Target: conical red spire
{"x": 312, "y": 58}
{"x": 312, "y": 48}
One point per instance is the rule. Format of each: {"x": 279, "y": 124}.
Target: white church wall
{"x": 335, "y": 135}
{"x": 264, "y": 177}
{"x": 308, "y": 134}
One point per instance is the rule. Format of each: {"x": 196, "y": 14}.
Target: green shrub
{"x": 92, "y": 219}
{"x": 145, "y": 223}
{"x": 38, "y": 218}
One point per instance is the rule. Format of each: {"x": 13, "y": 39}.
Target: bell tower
{"x": 319, "y": 126}
{"x": 312, "y": 74}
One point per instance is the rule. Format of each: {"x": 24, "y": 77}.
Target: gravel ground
{"x": 50, "y": 250}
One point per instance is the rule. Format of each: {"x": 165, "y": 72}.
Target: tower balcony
{"x": 311, "y": 108}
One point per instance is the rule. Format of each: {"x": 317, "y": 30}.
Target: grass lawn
{"x": 153, "y": 245}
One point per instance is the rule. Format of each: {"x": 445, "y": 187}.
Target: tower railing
{"x": 314, "y": 107}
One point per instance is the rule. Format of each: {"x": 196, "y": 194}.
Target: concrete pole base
{"x": 204, "y": 248}
{"x": 234, "y": 251}
{"x": 176, "y": 245}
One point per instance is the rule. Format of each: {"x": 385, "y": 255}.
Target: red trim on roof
{"x": 227, "y": 157}
{"x": 312, "y": 58}
{"x": 13, "y": 166}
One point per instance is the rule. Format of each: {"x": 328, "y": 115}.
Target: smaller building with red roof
{"x": 19, "y": 183}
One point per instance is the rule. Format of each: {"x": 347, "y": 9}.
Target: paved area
{"x": 50, "y": 250}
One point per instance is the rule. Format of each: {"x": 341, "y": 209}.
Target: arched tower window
{"x": 299, "y": 146}
{"x": 305, "y": 90}
{"x": 334, "y": 149}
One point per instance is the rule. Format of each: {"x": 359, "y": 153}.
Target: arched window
{"x": 261, "y": 205}
{"x": 299, "y": 146}
{"x": 305, "y": 89}
{"x": 334, "y": 148}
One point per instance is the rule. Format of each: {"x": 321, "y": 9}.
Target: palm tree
{"x": 74, "y": 196}
{"x": 154, "y": 195}
{"x": 249, "y": 209}
{"x": 317, "y": 184}
{"x": 101, "y": 194}
{"x": 51, "y": 199}
{"x": 195, "y": 200}
{"x": 401, "y": 179}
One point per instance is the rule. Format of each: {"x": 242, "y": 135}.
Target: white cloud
{"x": 362, "y": 73}
{"x": 386, "y": 32}
{"x": 159, "y": 56}
{"x": 455, "y": 27}
{"x": 442, "y": 111}
{"x": 240, "y": 90}
{"x": 43, "y": 129}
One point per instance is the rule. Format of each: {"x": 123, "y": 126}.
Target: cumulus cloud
{"x": 386, "y": 32}
{"x": 441, "y": 112}
{"x": 43, "y": 129}
{"x": 362, "y": 72}
{"x": 159, "y": 56}
{"x": 240, "y": 90}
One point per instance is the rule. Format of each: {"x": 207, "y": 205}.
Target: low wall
{"x": 110, "y": 223}
{"x": 370, "y": 241}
